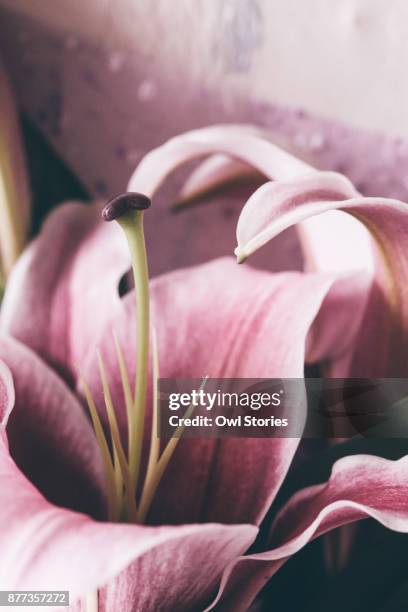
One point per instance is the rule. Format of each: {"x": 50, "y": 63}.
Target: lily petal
{"x": 55, "y": 302}
{"x": 7, "y": 394}
{"x": 225, "y": 321}
{"x": 237, "y": 141}
{"x": 50, "y": 437}
{"x": 270, "y": 210}
{"x": 213, "y": 173}
{"x": 242, "y": 149}
{"x": 219, "y": 169}
{"x": 43, "y": 544}
{"x": 180, "y": 570}
{"x": 360, "y": 486}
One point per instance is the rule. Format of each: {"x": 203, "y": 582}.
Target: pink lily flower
{"x": 339, "y": 229}
{"x": 182, "y": 542}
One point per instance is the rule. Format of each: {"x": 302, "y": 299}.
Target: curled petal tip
{"x": 124, "y": 203}
{"x": 241, "y": 257}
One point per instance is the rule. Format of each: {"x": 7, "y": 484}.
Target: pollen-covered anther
{"x": 124, "y": 203}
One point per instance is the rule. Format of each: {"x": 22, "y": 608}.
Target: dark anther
{"x": 124, "y": 203}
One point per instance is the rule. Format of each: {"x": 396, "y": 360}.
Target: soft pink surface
{"x": 57, "y": 304}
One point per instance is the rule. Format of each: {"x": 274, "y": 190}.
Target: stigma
{"x": 124, "y": 203}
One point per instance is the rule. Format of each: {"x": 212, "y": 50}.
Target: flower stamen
{"x": 113, "y": 507}
{"x": 121, "y": 465}
{"x": 124, "y": 376}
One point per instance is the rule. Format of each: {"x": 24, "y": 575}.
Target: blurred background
{"x": 98, "y": 83}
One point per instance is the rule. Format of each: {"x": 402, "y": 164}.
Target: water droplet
{"x": 147, "y": 90}
{"x": 309, "y": 142}
{"x": 300, "y": 140}
{"x": 133, "y": 156}
{"x": 316, "y": 141}
{"x": 120, "y": 152}
{"x": 101, "y": 188}
{"x": 116, "y": 61}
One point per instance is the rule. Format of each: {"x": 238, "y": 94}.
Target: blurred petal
{"x": 212, "y": 173}
{"x": 219, "y": 169}
{"x": 226, "y": 321}
{"x": 240, "y": 142}
{"x": 380, "y": 349}
{"x": 240, "y": 149}
{"x": 50, "y": 437}
{"x": 360, "y": 486}
{"x": 65, "y": 285}
{"x": 41, "y": 544}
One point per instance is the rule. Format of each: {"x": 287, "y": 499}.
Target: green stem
{"x": 14, "y": 191}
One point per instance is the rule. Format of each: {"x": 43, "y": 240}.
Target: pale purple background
{"x": 103, "y": 110}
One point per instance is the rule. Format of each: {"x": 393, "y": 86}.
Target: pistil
{"x": 122, "y": 469}
{"x": 128, "y": 210}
